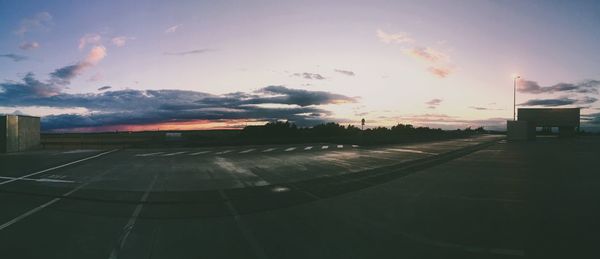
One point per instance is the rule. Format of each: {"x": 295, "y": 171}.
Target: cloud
{"x": 14, "y": 57}
{"x": 96, "y": 77}
{"x": 29, "y": 45}
{"x": 479, "y": 108}
{"x": 440, "y": 72}
{"x": 345, "y": 72}
{"x": 173, "y": 28}
{"x": 532, "y": 87}
{"x": 393, "y": 37}
{"x": 559, "y": 101}
{"x": 433, "y": 103}
{"x": 306, "y": 75}
{"x": 65, "y": 74}
{"x": 104, "y": 88}
{"x": 29, "y": 89}
{"x": 189, "y": 52}
{"x": 89, "y": 39}
{"x": 142, "y": 107}
{"x": 427, "y": 54}
{"x": 42, "y": 20}
{"x": 120, "y": 41}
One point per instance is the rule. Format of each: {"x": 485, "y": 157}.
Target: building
{"x": 565, "y": 119}
{"x": 19, "y": 133}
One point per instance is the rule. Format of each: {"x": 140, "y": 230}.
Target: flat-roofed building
{"x": 19, "y": 133}
{"x": 565, "y": 119}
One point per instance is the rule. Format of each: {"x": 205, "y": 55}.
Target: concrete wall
{"x": 519, "y": 130}
{"x": 19, "y": 133}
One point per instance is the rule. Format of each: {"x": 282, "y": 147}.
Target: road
{"x": 470, "y": 198}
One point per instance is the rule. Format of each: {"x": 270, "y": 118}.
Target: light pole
{"x": 515, "y": 97}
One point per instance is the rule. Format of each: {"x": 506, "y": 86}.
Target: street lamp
{"x": 515, "y": 97}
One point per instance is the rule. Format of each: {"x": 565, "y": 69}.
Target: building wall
{"x": 19, "y": 133}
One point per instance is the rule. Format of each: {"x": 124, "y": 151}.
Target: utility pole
{"x": 515, "y": 97}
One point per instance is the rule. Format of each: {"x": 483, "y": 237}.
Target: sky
{"x": 149, "y": 65}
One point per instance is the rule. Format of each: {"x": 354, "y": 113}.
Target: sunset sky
{"x": 144, "y": 65}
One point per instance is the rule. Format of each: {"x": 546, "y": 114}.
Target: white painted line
{"x": 224, "y": 152}
{"x": 340, "y": 146}
{"x": 269, "y": 149}
{"x": 199, "y": 153}
{"x": 131, "y": 223}
{"x": 290, "y": 149}
{"x": 259, "y": 252}
{"x": 324, "y": 147}
{"x": 57, "y": 167}
{"x": 36, "y": 180}
{"x": 247, "y": 151}
{"x": 175, "y": 153}
{"x": 354, "y": 146}
{"x": 410, "y": 151}
{"x": 38, "y": 208}
{"x": 150, "y": 154}
{"x": 308, "y": 148}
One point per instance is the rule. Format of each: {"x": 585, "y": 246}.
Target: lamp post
{"x": 515, "y": 97}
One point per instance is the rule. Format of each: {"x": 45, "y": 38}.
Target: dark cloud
{"x": 183, "y": 53}
{"x": 306, "y": 75}
{"x": 14, "y": 57}
{"x": 104, "y": 88}
{"x": 587, "y": 86}
{"x": 345, "y": 72}
{"x": 137, "y": 107}
{"x": 559, "y": 101}
{"x": 433, "y": 103}
{"x": 64, "y": 74}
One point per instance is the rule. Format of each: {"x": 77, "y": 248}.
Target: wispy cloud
{"x": 433, "y": 103}
{"x": 65, "y": 74}
{"x": 307, "y": 75}
{"x": 91, "y": 39}
{"x": 438, "y": 62}
{"x": 173, "y": 28}
{"x": 440, "y": 72}
{"x": 13, "y": 57}
{"x": 532, "y": 87}
{"x": 345, "y": 72}
{"x": 120, "y": 41}
{"x": 427, "y": 54}
{"x": 481, "y": 108}
{"x": 29, "y": 45}
{"x": 189, "y": 52}
{"x": 393, "y": 37}
{"x": 42, "y": 20}
{"x": 104, "y": 88}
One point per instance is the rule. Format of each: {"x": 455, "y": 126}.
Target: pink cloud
{"x": 440, "y": 72}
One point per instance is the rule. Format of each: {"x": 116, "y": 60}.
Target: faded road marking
{"x": 290, "y": 149}
{"x": 199, "y": 153}
{"x": 269, "y": 149}
{"x": 247, "y": 151}
{"x": 150, "y": 154}
{"x": 57, "y": 167}
{"x": 324, "y": 147}
{"x": 175, "y": 153}
{"x": 308, "y": 148}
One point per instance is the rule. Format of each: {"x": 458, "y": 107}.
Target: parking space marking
{"x": 150, "y": 154}
{"x": 57, "y": 167}
{"x": 175, "y": 153}
{"x": 410, "y": 151}
{"x": 247, "y": 151}
{"x": 224, "y": 152}
{"x": 354, "y": 146}
{"x": 36, "y": 180}
{"x": 290, "y": 149}
{"x": 269, "y": 149}
{"x": 199, "y": 153}
{"x": 340, "y": 146}
{"x": 324, "y": 147}
{"x": 308, "y": 148}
